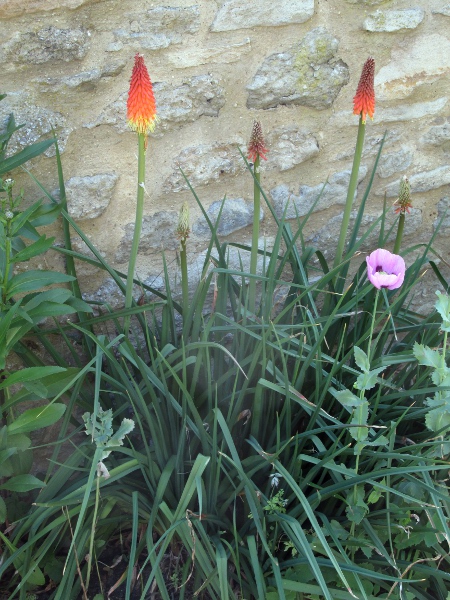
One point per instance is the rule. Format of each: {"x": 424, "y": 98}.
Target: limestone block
{"x": 158, "y": 233}
{"x": 334, "y": 192}
{"x": 85, "y": 81}
{"x": 177, "y": 104}
{"x": 418, "y": 63}
{"x": 368, "y": 2}
{"x": 326, "y": 238}
{"x": 38, "y": 122}
{"x": 445, "y": 10}
{"x": 400, "y": 112}
{"x": 204, "y": 164}
{"x": 421, "y": 182}
{"x": 16, "y": 8}
{"x": 443, "y": 209}
{"x": 236, "y": 214}
{"x": 207, "y": 55}
{"x": 394, "y": 20}
{"x": 156, "y": 28}
{"x": 436, "y": 136}
{"x": 49, "y": 44}
{"x": 88, "y": 197}
{"x": 394, "y": 162}
{"x": 307, "y": 74}
{"x": 235, "y": 14}
{"x": 289, "y": 146}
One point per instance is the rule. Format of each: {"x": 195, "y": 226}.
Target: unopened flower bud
{"x": 183, "y": 229}
{"x": 404, "y": 197}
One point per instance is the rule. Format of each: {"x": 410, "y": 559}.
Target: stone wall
{"x": 217, "y": 65}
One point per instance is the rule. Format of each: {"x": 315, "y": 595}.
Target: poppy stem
{"x": 398, "y": 239}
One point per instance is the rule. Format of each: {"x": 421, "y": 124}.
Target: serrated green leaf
{"x": 360, "y": 417}
{"x": 368, "y": 380}
{"x": 37, "y": 418}
{"x": 443, "y": 307}
{"x": 361, "y": 359}
{"x": 346, "y": 398}
{"x": 22, "y": 483}
{"x": 426, "y": 356}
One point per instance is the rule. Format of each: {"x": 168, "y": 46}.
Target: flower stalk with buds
{"x": 141, "y": 117}
{"x": 403, "y": 205}
{"x": 363, "y": 105}
{"x": 183, "y": 231}
{"x": 256, "y": 150}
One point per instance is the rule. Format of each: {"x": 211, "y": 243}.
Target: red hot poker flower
{"x": 141, "y": 106}
{"x": 256, "y": 146}
{"x": 364, "y": 100}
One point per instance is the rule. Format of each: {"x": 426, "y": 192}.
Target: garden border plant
{"x": 252, "y": 470}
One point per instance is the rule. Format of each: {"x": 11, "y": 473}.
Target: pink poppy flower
{"x": 385, "y": 270}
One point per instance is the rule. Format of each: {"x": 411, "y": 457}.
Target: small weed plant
{"x": 283, "y": 437}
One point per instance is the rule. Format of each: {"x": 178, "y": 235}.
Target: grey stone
{"x": 108, "y": 293}
{"x": 326, "y": 237}
{"x": 290, "y": 146}
{"x": 38, "y": 123}
{"x": 158, "y": 233}
{"x": 88, "y": 197}
{"x": 421, "y": 182}
{"x": 368, "y": 2}
{"x": 438, "y": 135}
{"x": 394, "y": 162}
{"x": 236, "y": 214}
{"x": 156, "y": 28}
{"x": 334, "y": 192}
{"x": 306, "y": 74}
{"x": 48, "y": 45}
{"x": 204, "y": 164}
{"x": 86, "y": 81}
{"x": 177, "y": 104}
{"x": 445, "y": 10}
{"x": 394, "y": 20}
{"x": 234, "y": 14}
{"x": 15, "y": 8}
{"x": 443, "y": 215}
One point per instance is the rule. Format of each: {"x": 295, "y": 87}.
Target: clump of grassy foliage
{"x": 230, "y": 456}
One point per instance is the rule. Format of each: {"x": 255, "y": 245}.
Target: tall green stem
{"x": 137, "y": 228}
{"x": 351, "y": 191}
{"x": 255, "y": 235}
{"x": 184, "y": 277}
{"x": 398, "y": 239}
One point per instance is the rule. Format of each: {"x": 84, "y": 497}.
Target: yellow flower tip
{"x": 256, "y": 146}
{"x": 364, "y": 100}
{"x": 141, "y": 105}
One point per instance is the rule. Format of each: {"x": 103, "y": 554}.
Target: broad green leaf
{"x": 22, "y": 483}
{"x": 37, "y": 418}
{"x": 18, "y": 440}
{"x": 14, "y": 161}
{"x": 361, "y": 359}
{"x": 34, "y": 249}
{"x": 22, "y": 462}
{"x": 30, "y": 374}
{"x": 53, "y": 383}
{"x": 33, "y": 280}
{"x": 360, "y": 416}
{"x": 57, "y": 295}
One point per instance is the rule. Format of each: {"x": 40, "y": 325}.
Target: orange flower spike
{"x": 141, "y": 105}
{"x": 364, "y": 100}
{"x": 256, "y": 146}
